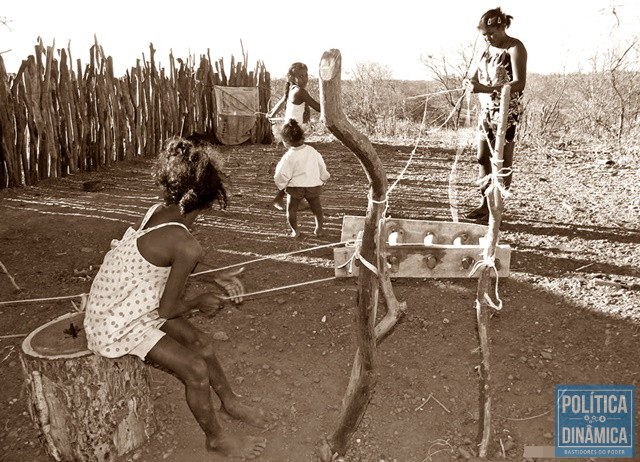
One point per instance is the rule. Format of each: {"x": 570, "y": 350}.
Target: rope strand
{"x": 442, "y": 92}
{"x": 268, "y": 257}
{"x": 291, "y": 286}
{"x": 48, "y": 299}
{"x": 271, "y": 257}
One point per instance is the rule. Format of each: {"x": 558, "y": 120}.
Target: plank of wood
{"x": 426, "y": 261}
{"x": 415, "y": 231}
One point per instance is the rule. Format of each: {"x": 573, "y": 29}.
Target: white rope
{"x": 48, "y": 299}
{"x": 84, "y": 296}
{"x": 453, "y": 195}
{"x": 493, "y": 179}
{"x": 418, "y": 140}
{"x": 453, "y": 111}
{"x": 315, "y": 281}
{"x": 409, "y": 161}
{"x": 488, "y": 262}
{"x": 357, "y": 256}
{"x": 442, "y": 92}
{"x": 271, "y": 257}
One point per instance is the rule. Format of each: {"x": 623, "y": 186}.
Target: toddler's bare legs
{"x": 193, "y": 370}
{"x": 292, "y": 214}
{"x": 316, "y": 208}
{"x": 278, "y": 200}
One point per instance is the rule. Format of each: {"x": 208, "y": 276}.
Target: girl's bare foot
{"x": 278, "y": 204}
{"x": 247, "y": 414}
{"x": 295, "y": 234}
{"x": 241, "y": 447}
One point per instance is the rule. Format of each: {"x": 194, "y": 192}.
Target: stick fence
{"x": 55, "y": 120}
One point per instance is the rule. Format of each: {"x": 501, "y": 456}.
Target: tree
{"x": 371, "y": 95}
{"x": 449, "y": 70}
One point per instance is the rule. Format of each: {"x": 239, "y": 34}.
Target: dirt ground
{"x": 571, "y": 305}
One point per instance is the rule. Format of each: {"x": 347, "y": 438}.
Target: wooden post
{"x": 7, "y": 134}
{"x": 483, "y": 309}
{"x": 87, "y": 408}
{"x": 362, "y": 381}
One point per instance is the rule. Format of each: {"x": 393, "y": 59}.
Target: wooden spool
{"x": 87, "y": 408}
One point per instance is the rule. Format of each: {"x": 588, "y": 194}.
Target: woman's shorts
{"x": 487, "y": 130}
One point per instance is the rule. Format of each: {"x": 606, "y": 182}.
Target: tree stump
{"x": 87, "y": 408}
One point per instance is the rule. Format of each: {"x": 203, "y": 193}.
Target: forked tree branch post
{"x": 483, "y": 308}
{"x": 362, "y": 381}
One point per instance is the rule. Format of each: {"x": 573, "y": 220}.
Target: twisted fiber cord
{"x": 268, "y": 257}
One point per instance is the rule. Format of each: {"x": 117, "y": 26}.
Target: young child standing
{"x": 136, "y": 304}
{"x": 297, "y": 102}
{"x": 302, "y": 173}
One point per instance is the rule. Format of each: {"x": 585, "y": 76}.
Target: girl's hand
{"x": 232, "y": 285}
{"x": 210, "y": 302}
{"x": 469, "y": 86}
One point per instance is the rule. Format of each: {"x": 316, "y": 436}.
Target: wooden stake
{"x": 483, "y": 309}
{"x": 363, "y": 380}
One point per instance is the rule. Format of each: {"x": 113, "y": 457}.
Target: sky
{"x": 560, "y": 35}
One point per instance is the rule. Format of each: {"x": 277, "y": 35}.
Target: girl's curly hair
{"x": 191, "y": 176}
{"x": 292, "y": 132}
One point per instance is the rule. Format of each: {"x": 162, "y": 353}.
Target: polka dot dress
{"x": 122, "y": 309}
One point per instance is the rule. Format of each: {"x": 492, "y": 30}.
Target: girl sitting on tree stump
{"x": 136, "y": 304}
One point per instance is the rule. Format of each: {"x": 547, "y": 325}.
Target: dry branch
{"x": 483, "y": 309}
{"x": 362, "y": 381}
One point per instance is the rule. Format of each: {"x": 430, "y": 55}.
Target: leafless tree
{"x": 449, "y": 70}
{"x": 371, "y": 97}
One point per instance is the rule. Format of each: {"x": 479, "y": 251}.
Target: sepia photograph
{"x": 319, "y": 231}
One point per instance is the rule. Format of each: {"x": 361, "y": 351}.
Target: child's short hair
{"x": 191, "y": 176}
{"x": 292, "y": 132}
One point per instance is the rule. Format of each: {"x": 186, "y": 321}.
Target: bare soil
{"x": 571, "y": 305}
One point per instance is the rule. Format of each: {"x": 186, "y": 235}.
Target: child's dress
{"x": 122, "y": 308}
{"x": 295, "y": 111}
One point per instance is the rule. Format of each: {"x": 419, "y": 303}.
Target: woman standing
{"x": 503, "y": 62}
